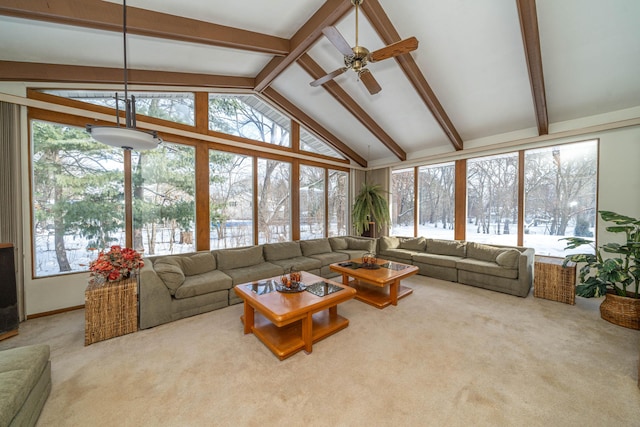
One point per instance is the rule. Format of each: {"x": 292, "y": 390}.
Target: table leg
{"x": 333, "y": 312}
{"x": 393, "y": 291}
{"x": 249, "y": 313}
{"x": 345, "y": 279}
{"x": 307, "y": 336}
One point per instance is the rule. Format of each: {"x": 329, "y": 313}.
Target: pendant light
{"x": 127, "y": 137}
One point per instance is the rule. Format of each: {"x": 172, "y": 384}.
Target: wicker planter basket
{"x": 621, "y": 311}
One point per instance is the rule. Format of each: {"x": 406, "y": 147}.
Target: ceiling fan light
{"x": 122, "y": 137}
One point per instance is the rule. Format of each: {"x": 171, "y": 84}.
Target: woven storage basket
{"x": 111, "y": 310}
{"x": 621, "y": 311}
{"x": 554, "y": 282}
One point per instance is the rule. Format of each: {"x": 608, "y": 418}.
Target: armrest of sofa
{"x": 525, "y": 268}
{"x": 154, "y": 298}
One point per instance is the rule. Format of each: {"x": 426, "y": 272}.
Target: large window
{"x": 230, "y": 199}
{"x": 309, "y": 142}
{"x": 78, "y": 198}
{"x": 436, "y": 199}
{"x": 312, "y": 191}
{"x": 338, "y": 198}
{"x": 249, "y": 117}
{"x": 274, "y": 201}
{"x": 492, "y": 199}
{"x": 402, "y": 202}
{"x": 164, "y": 199}
{"x": 560, "y": 196}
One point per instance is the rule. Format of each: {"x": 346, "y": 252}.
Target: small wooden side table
{"x": 111, "y": 309}
{"x": 554, "y": 282}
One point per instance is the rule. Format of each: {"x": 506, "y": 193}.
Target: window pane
{"x": 249, "y": 117}
{"x": 311, "y": 202}
{"x": 172, "y": 106}
{"x": 402, "y": 202}
{"x": 312, "y": 144}
{"x": 338, "y": 197}
{"x": 492, "y": 199}
{"x": 436, "y": 192}
{"x": 274, "y": 201}
{"x": 163, "y": 199}
{"x": 230, "y": 199}
{"x": 560, "y": 196}
{"x": 78, "y": 198}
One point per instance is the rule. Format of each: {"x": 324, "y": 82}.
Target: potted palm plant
{"x": 370, "y": 207}
{"x": 615, "y": 276}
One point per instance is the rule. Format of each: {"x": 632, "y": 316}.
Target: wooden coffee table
{"x": 379, "y": 287}
{"x": 289, "y": 322}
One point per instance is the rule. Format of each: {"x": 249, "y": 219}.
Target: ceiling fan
{"x": 356, "y": 58}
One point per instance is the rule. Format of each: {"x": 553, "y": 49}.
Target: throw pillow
{"x": 229, "y": 259}
{"x": 169, "y": 269}
{"x": 199, "y": 263}
{"x": 417, "y": 244}
{"x": 279, "y": 251}
{"x": 389, "y": 242}
{"x": 446, "y": 247}
{"x": 338, "y": 243}
{"x": 509, "y": 258}
{"x": 483, "y": 252}
{"x": 359, "y": 244}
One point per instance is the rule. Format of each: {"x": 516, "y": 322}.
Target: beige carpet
{"x": 448, "y": 355}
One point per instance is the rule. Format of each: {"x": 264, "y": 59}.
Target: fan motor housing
{"x": 358, "y": 60}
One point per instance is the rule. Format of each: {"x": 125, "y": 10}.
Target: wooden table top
{"x": 380, "y": 276}
{"x": 282, "y": 308}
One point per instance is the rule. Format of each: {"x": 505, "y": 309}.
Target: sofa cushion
{"x": 241, "y": 257}
{"x": 259, "y": 271}
{"x": 403, "y": 254}
{"x": 436, "y": 259}
{"x": 279, "y": 251}
{"x": 388, "y": 242}
{"x": 360, "y": 244}
{"x": 314, "y": 247}
{"x": 487, "y": 268}
{"x": 416, "y": 244}
{"x": 509, "y": 258}
{"x": 338, "y": 243}
{"x": 201, "y": 262}
{"x": 169, "y": 269}
{"x": 204, "y": 283}
{"x": 483, "y": 252}
{"x": 446, "y": 247}
{"x": 300, "y": 263}
{"x": 330, "y": 257}
{"x": 20, "y": 371}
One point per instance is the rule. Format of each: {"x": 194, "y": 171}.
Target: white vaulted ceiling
{"x": 471, "y": 54}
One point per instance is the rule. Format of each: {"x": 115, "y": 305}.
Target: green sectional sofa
{"x": 25, "y": 384}
{"x": 176, "y": 286}
{"x": 507, "y": 269}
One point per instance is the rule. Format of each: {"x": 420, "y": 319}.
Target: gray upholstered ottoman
{"x": 25, "y": 383}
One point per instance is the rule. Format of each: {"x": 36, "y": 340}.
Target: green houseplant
{"x": 369, "y": 206}
{"x": 617, "y": 276}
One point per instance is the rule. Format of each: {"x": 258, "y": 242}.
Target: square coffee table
{"x": 378, "y": 286}
{"x": 289, "y": 322}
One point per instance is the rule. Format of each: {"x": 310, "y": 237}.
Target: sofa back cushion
{"x": 284, "y": 250}
{"x": 446, "y": 247}
{"x": 415, "y": 244}
{"x": 509, "y": 258}
{"x": 315, "y": 246}
{"x": 389, "y": 242}
{"x": 361, "y": 244}
{"x": 169, "y": 269}
{"x": 229, "y": 259}
{"x": 483, "y": 252}
{"x": 338, "y": 243}
{"x": 198, "y": 263}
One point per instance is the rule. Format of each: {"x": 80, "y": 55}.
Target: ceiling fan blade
{"x": 395, "y": 49}
{"x": 337, "y": 40}
{"x": 369, "y": 82}
{"x": 328, "y": 77}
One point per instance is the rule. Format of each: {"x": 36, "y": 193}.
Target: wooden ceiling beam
{"x": 327, "y": 15}
{"x": 316, "y": 71}
{"x": 533, "y": 53}
{"x": 36, "y": 72}
{"x": 102, "y": 15}
{"x": 277, "y": 99}
{"x": 385, "y": 29}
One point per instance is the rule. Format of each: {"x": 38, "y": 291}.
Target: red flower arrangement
{"x": 116, "y": 264}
